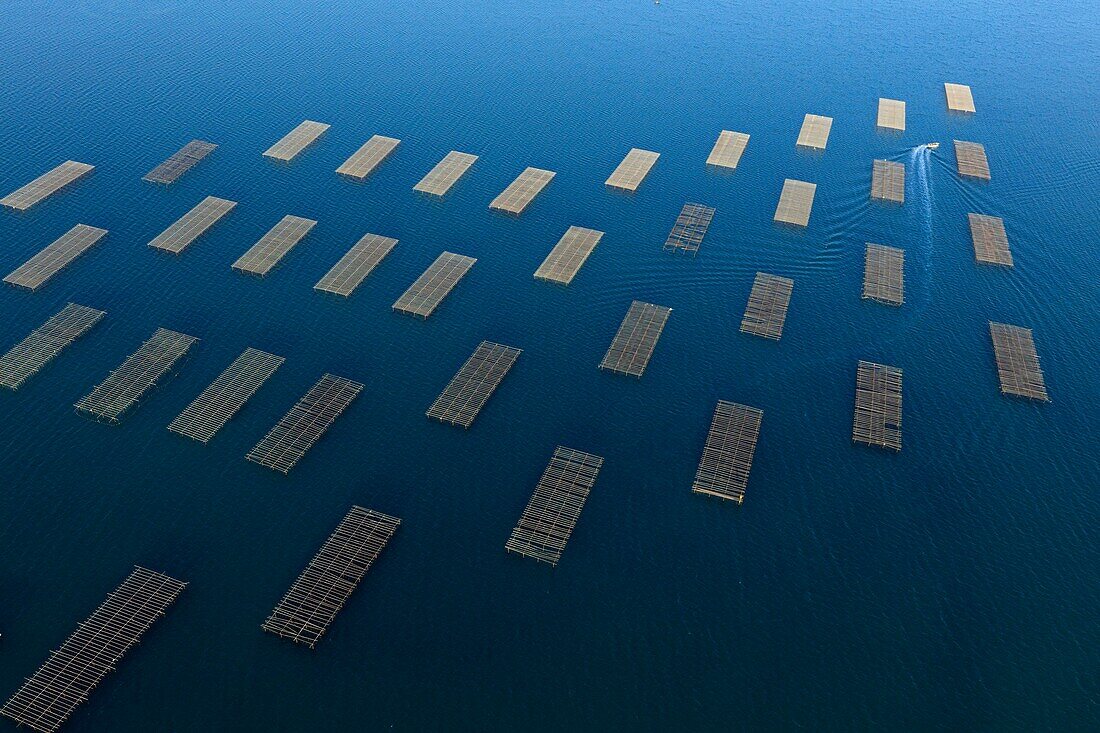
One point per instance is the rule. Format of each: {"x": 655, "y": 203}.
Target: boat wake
{"x": 919, "y": 162}
{"x": 918, "y": 256}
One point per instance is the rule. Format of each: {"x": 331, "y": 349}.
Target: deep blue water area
{"x": 952, "y": 586}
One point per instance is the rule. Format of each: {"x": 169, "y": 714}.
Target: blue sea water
{"x": 953, "y": 586}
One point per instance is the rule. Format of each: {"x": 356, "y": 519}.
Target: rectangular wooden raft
{"x": 971, "y": 160}
{"x": 46, "y": 185}
{"x": 429, "y": 290}
{"x": 990, "y": 240}
{"x": 888, "y": 181}
{"x": 67, "y": 678}
{"x": 1017, "y": 362}
{"x": 30, "y": 355}
{"x": 38, "y": 270}
{"x": 727, "y": 456}
{"x": 123, "y": 387}
{"x": 766, "y": 311}
{"x": 815, "y": 132}
{"x": 292, "y": 437}
{"x": 273, "y": 246}
{"x": 568, "y": 255}
{"x": 445, "y": 174}
{"x": 884, "y": 274}
{"x": 891, "y": 114}
{"x": 296, "y": 140}
{"x": 877, "y": 415}
{"x": 795, "y": 202}
{"x": 192, "y": 225}
{"x": 473, "y": 385}
{"x": 522, "y": 191}
{"x": 728, "y": 149}
{"x": 180, "y": 162}
{"x": 360, "y": 261}
{"x": 364, "y": 160}
{"x": 636, "y": 339}
{"x": 324, "y": 586}
{"x": 226, "y": 395}
{"x": 690, "y": 228}
{"x": 632, "y": 170}
{"x": 959, "y": 98}
{"x": 548, "y": 521}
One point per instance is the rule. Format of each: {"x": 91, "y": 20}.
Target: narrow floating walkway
{"x": 727, "y": 456}
{"x": 192, "y": 225}
{"x": 473, "y": 385}
{"x": 46, "y": 185}
{"x": 690, "y": 228}
{"x": 728, "y": 149}
{"x": 273, "y": 246}
{"x": 297, "y": 140}
{"x": 445, "y": 174}
{"x": 138, "y": 374}
{"x": 1017, "y": 362}
{"x": 632, "y": 170}
{"x": 877, "y": 419}
{"x": 429, "y": 290}
{"x": 37, "y": 271}
{"x": 226, "y": 395}
{"x": 990, "y": 240}
{"x": 360, "y": 261}
{"x": 309, "y": 419}
{"x": 30, "y": 355}
{"x": 795, "y": 202}
{"x": 180, "y": 162}
{"x": 310, "y": 606}
{"x": 67, "y": 678}
{"x": 766, "y": 311}
{"x": 568, "y": 255}
{"x": 891, "y": 114}
{"x": 364, "y": 160}
{"x": 884, "y": 274}
{"x": 551, "y": 515}
{"x": 522, "y": 191}
{"x": 636, "y": 339}
{"x": 888, "y": 181}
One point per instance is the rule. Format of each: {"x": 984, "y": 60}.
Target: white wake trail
{"x": 919, "y": 159}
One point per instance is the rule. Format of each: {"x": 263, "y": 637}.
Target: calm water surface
{"x": 953, "y": 586}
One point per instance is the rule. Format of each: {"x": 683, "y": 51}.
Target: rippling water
{"x": 952, "y": 586}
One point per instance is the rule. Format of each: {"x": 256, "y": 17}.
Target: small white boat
{"x": 932, "y": 146}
